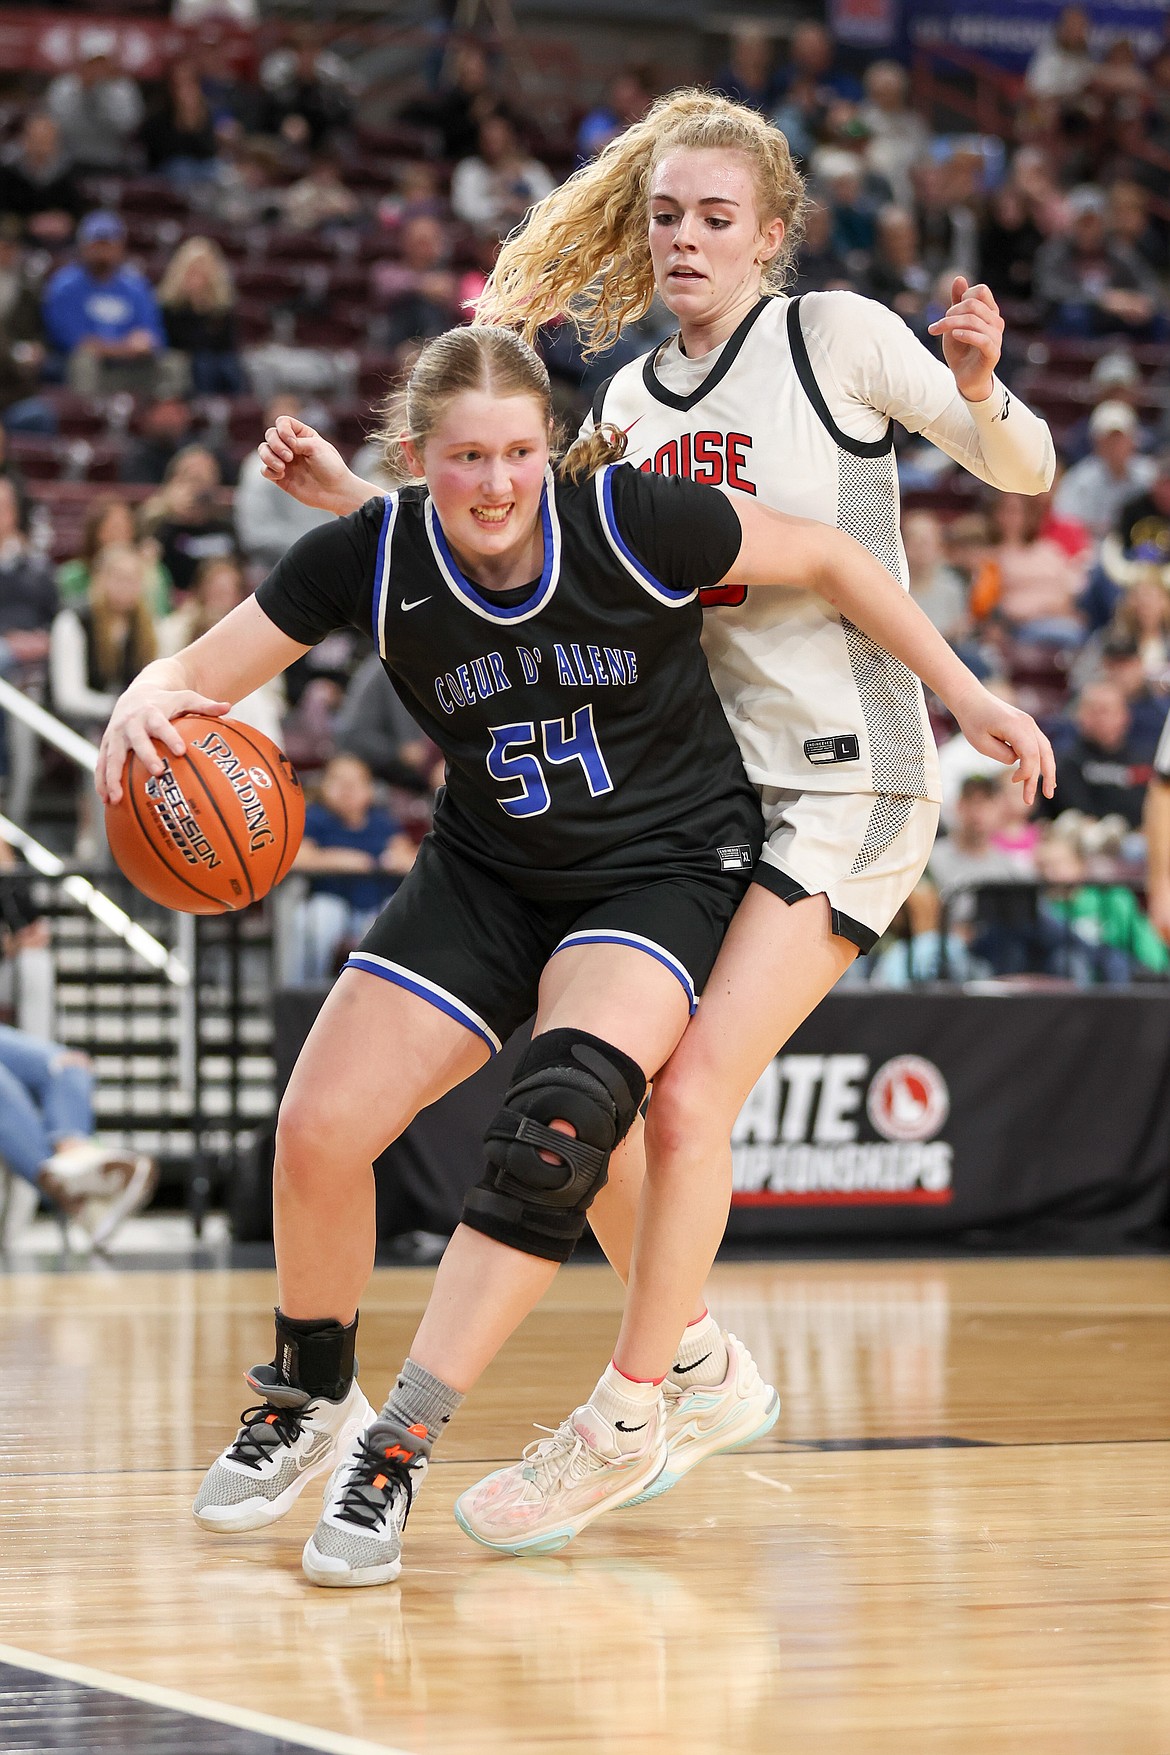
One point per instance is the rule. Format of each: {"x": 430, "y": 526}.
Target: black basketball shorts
{"x": 460, "y": 938}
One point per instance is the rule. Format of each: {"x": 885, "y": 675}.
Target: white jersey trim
{"x": 629, "y": 560}
{"x": 382, "y": 571}
{"x": 467, "y": 593}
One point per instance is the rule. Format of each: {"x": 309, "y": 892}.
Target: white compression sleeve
{"x": 999, "y": 440}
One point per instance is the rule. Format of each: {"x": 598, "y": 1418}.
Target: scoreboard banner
{"x": 989, "y": 1116}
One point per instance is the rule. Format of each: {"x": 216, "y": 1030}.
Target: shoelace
{"x": 372, "y": 1484}
{"x": 547, "y": 1460}
{"x": 263, "y": 1428}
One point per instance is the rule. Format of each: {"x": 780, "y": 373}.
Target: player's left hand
{"x": 996, "y": 729}
{"x": 972, "y": 337}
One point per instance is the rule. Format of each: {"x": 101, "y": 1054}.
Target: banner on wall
{"x": 897, "y": 1116}
{"x": 917, "y": 1114}
{"x": 865, "y": 24}
{"x": 1010, "y": 31}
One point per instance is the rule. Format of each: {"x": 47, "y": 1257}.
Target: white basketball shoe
{"x": 704, "y": 1420}
{"x": 283, "y": 1443}
{"x": 561, "y": 1484}
{"x": 358, "y": 1538}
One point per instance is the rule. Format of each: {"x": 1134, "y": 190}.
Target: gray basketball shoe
{"x": 358, "y": 1539}
{"x": 282, "y": 1444}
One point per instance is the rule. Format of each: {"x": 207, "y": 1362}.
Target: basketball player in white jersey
{"x": 790, "y": 401}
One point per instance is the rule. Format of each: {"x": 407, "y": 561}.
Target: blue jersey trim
{"x": 633, "y": 566}
{"x": 369, "y": 964}
{"x": 471, "y": 596}
{"x": 635, "y": 942}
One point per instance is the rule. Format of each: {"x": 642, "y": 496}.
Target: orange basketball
{"x": 218, "y": 828}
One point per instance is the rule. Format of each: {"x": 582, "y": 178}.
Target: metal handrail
{"x": 104, "y": 910}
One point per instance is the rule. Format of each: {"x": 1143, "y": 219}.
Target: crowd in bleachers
{"x": 181, "y": 261}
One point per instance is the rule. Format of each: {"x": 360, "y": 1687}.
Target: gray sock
{"x": 419, "y": 1399}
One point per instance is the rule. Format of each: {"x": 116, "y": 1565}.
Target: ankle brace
{"x": 316, "y": 1355}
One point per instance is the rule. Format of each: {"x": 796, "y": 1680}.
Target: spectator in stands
{"x": 1115, "y": 377}
{"x": 1008, "y": 241}
{"x": 1156, "y": 820}
{"x": 494, "y": 190}
{"x": 1097, "y": 932}
{"x": 1062, "y": 67}
{"x": 185, "y": 518}
{"x": 217, "y": 587}
{"x": 460, "y": 105}
{"x": 820, "y": 266}
{"x": 97, "y": 109}
{"x": 948, "y": 227}
{"x": 417, "y": 291}
{"x": 266, "y": 523}
{"x": 628, "y": 97}
{"x": 374, "y": 724}
{"x": 1093, "y": 285}
{"x": 102, "y": 317}
{"x": 839, "y": 180}
{"x": 1095, "y": 489}
{"x": 936, "y": 587}
{"x": 197, "y": 300}
{"x": 749, "y": 74}
{"x": 1032, "y": 582}
{"x": 28, "y": 596}
{"x": 37, "y": 183}
{"x": 1128, "y": 223}
{"x": 896, "y": 275}
{"x": 47, "y": 1143}
{"x": 22, "y": 347}
{"x": 812, "y": 58}
{"x": 1100, "y": 772}
{"x": 320, "y": 201}
{"x": 179, "y": 132}
{"x": 968, "y": 856}
{"x": 898, "y": 136}
{"x": 349, "y": 840}
{"x": 163, "y": 427}
{"x": 110, "y": 521}
{"x": 245, "y": 191}
{"x": 1143, "y": 522}
{"x": 1157, "y": 118}
{"x": 1120, "y": 662}
{"x": 100, "y": 645}
{"x": 306, "y": 100}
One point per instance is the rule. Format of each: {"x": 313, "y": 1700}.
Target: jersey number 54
{"x": 510, "y": 759}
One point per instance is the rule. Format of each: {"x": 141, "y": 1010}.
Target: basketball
{"x": 218, "y": 828}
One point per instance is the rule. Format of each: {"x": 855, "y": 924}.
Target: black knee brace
{"x": 524, "y": 1201}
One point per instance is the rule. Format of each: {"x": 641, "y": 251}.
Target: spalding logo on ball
{"x": 218, "y": 828}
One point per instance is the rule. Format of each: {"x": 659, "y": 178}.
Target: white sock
{"x": 702, "y": 1355}
{"x": 625, "y": 1406}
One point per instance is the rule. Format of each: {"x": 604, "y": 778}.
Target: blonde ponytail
{"x": 583, "y": 253}
{"x": 592, "y": 451}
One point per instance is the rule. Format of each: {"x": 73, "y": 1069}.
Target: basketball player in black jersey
{"x": 591, "y": 844}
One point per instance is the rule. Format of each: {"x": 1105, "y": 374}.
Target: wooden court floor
{"x": 956, "y": 1539}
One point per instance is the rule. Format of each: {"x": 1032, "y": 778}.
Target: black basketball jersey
{"x": 585, "y": 745}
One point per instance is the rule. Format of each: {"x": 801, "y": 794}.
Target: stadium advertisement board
{"x": 923, "y": 1113}
{"x": 1043, "y": 1115}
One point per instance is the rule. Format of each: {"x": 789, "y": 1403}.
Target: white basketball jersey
{"x": 796, "y": 408}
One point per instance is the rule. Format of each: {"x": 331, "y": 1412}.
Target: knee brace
{"x": 525, "y": 1201}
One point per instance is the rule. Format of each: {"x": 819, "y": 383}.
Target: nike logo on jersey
{"x": 417, "y": 602}
{"x": 620, "y": 1427}
{"x": 681, "y": 1370}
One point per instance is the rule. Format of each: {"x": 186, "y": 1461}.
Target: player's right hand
{"x": 137, "y": 719}
{"x": 305, "y": 465}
